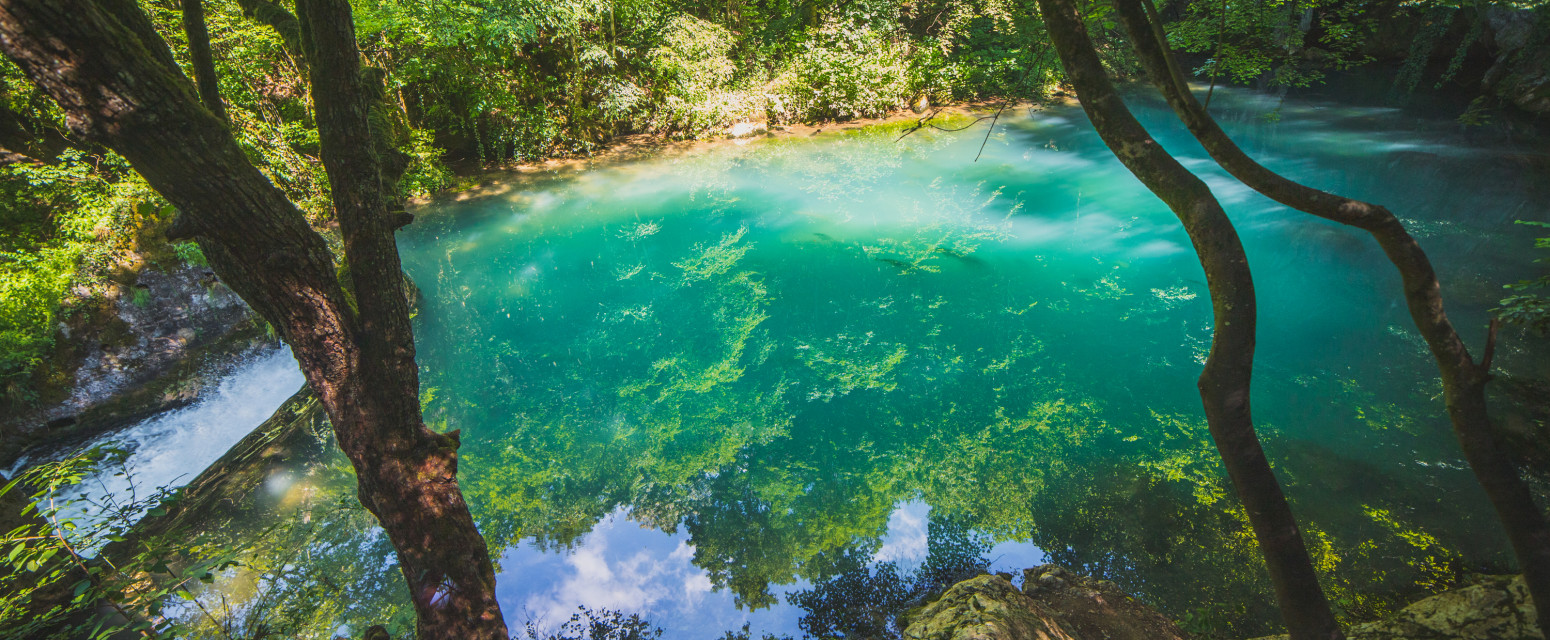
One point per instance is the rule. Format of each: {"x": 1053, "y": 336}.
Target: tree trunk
{"x": 411, "y": 484}
{"x": 117, "y": 84}
{"x": 1463, "y": 380}
{"x": 1224, "y": 385}
{"x": 200, "y": 58}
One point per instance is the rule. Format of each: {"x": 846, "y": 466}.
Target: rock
{"x": 1494, "y": 608}
{"x": 153, "y": 345}
{"x": 1521, "y": 73}
{"x": 985, "y": 607}
{"x": 921, "y": 104}
{"x": 1096, "y": 608}
{"x": 1497, "y": 607}
{"x": 747, "y": 129}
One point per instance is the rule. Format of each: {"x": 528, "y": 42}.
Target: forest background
{"x": 479, "y": 83}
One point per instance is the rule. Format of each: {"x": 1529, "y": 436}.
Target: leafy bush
{"x": 51, "y": 578}
{"x": 843, "y": 71}
{"x": 1529, "y": 304}
{"x": 694, "y": 76}
{"x": 64, "y": 225}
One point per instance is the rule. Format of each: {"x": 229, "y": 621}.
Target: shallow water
{"x": 795, "y": 383}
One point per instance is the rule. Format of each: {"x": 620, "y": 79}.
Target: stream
{"x": 798, "y": 383}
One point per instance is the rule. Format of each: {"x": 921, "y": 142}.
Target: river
{"x": 797, "y": 382}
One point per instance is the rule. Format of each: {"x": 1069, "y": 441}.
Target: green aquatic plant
{"x": 951, "y": 226}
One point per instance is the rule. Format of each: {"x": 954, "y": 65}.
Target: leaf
{"x": 80, "y": 588}
{"x": 160, "y": 567}
{"x": 207, "y": 578}
{"x": 157, "y": 512}
{"x": 184, "y": 594}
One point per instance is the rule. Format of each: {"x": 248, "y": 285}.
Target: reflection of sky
{"x": 626, "y": 566}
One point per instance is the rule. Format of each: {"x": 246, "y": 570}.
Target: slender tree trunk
{"x": 200, "y": 57}
{"x": 1463, "y": 379}
{"x": 411, "y": 483}
{"x": 1224, "y": 385}
{"x": 118, "y": 85}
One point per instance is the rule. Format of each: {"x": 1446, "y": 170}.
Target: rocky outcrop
{"x": 1494, "y": 608}
{"x": 153, "y": 344}
{"x": 986, "y": 607}
{"x": 1521, "y": 71}
{"x": 1054, "y": 604}
{"x": 747, "y": 129}
{"x": 1097, "y": 609}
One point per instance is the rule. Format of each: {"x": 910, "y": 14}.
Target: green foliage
{"x": 602, "y": 624}
{"x": 1292, "y": 43}
{"x": 52, "y": 579}
{"x": 693, "y": 76}
{"x": 1529, "y": 303}
{"x": 841, "y": 72}
{"x": 190, "y": 253}
{"x": 63, "y": 225}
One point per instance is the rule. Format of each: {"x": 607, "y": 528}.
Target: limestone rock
{"x": 986, "y": 607}
{"x": 1521, "y": 74}
{"x": 1096, "y": 608}
{"x": 151, "y": 344}
{"x": 747, "y": 129}
{"x": 1494, "y": 608}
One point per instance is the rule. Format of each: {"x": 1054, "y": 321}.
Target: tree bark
{"x": 1224, "y": 384}
{"x": 201, "y": 59}
{"x": 442, "y": 554}
{"x": 117, "y": 84}
{"x": 1463, "y": 379}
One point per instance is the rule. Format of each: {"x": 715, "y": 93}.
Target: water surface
{"x": 796, "y": 383}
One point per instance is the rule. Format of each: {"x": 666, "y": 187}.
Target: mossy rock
{"x": 986, "y": 607}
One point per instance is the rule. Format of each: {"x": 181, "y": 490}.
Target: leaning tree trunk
{"x": 1463, "y": 380}
{"x": 117, "y": 84}
{"x": 1224, "y": 385}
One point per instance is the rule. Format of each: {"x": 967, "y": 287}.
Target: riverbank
{"x": 477, "y": 181}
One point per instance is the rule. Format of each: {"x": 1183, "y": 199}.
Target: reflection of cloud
{"x": 905, "y": 542}
{"x": 598, "y": 579}
{"x": 626, "y": 567}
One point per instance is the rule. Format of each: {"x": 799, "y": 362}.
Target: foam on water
{"x": 170, "y": 449}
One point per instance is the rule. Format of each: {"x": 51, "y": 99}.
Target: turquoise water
{"x": 798, "y": 382}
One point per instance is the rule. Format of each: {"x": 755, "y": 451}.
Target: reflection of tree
{"x": 312, "y": 560}
{"x": 862, "y": 599}
{"x": 776, "y": 398}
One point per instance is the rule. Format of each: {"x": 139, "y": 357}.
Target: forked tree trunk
{"x": 408, "y": 473}
{"x": 117, "y": 84}
{"x": 1463, "y": 379}
{"x": 1224, "y": 385}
